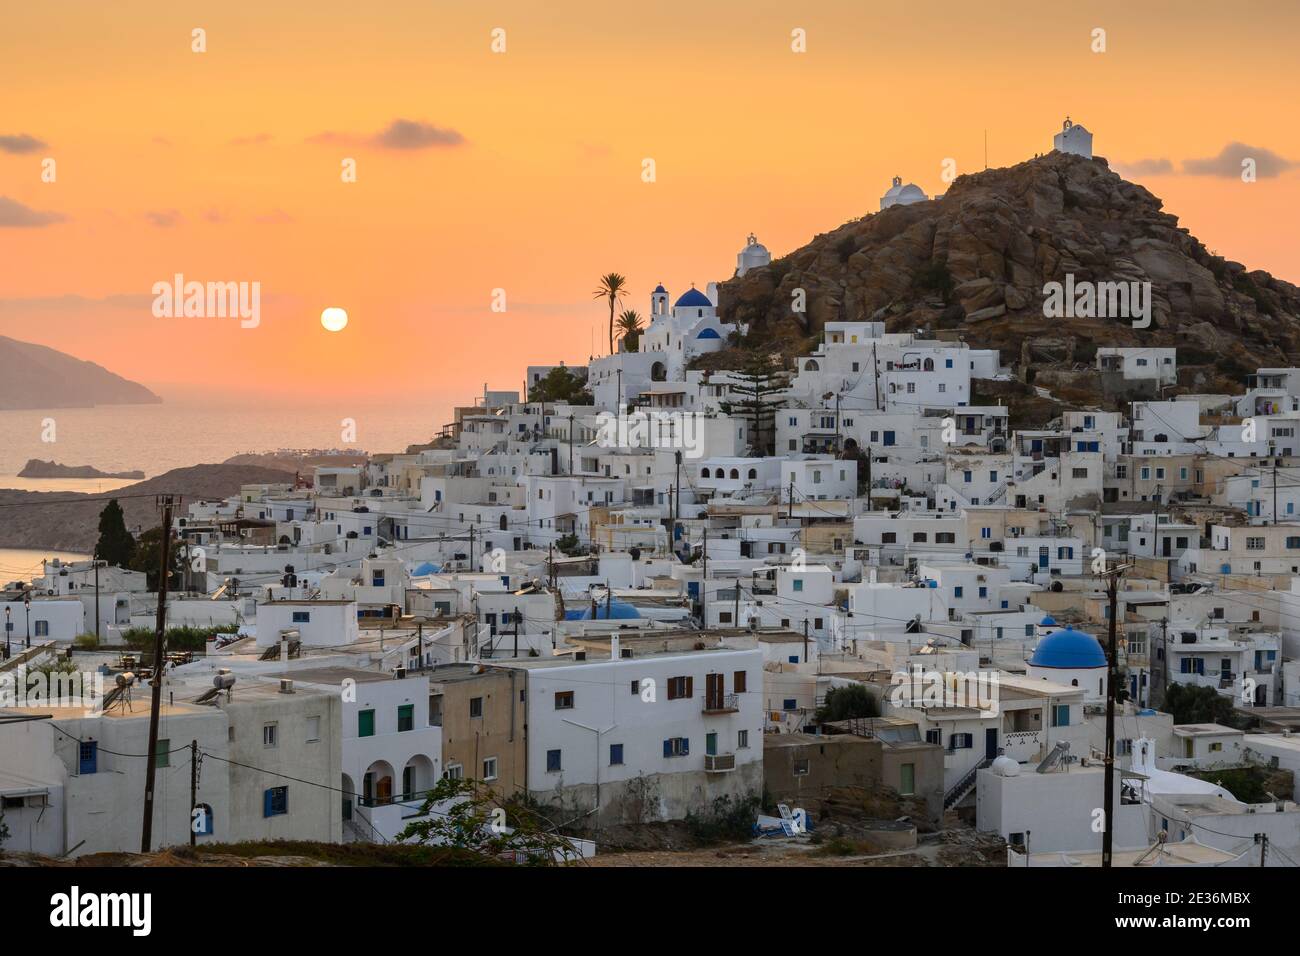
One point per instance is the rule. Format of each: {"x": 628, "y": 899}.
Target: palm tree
{"x": 629, "y": 327}
{"x": 612, "y": 286}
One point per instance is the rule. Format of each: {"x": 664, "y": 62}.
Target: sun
{"x": 334, "y": 319}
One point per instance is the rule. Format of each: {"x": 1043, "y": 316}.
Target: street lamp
{"x": 27, "y": 606}
{"x": 8, "y": 627}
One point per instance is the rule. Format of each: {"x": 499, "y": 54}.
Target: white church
{"x": 1073, "y": 138}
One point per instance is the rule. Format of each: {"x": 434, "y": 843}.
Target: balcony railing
{"x": 721, "y": 703}
{"x": 719, "y": 763}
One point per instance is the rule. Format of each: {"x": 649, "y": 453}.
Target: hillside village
{"x": 855, "y": 593}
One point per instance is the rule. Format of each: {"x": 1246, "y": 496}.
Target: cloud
{"x": 256, "y": 139}
{"x": 163, "y": 218}
{"x": 73, "y": 302}
{"x": 1227, "y": 164}
{"x": 15, "y": 215}
{"x": 275, "y": 217}
{"x": 1146, "y": 167}
{"x": 409, "y": 134}
{"x": 400, "y": 134}
{"x": 22, "y": 143}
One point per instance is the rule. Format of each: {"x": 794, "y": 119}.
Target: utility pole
{"x": 550, "y": 565}
{"x": 151, "y": 759}
{"x": 570, "y": 444}
{"x": 837, "y": 423}
{"x": 1274, "y": 491}
{"x": 471, "y": 549}
{"x": 869, "y": 456}
{"x": 609, "y": 601}
{"x": 805, "y": 638}
{"x": 790, "y": 510}
{"x": 735, "y": 618}
{"x": 516, "y": 630}
{"x": 1263, "y": 849}
{"x": 95, "y": 559}
{"x": 1108, "y": 806}
{"x": 194, "y": 785}
{"x": 677, "y": 504}
{"x": 875, "y": 368}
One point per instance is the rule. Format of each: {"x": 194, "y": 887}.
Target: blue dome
{"x": 426, "y": 568}
{"x": 618, "y": 611}
{"x": 692, "y": 299}
{"x": 1068, "y": 649}
{"x": 1048, "y": 621}
{"x": 659, "y": 289}
{"x": 708, "y": 334}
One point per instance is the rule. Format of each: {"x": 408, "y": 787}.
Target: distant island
{"x": 35, "y": 376}
{"x": 35, "y": 468}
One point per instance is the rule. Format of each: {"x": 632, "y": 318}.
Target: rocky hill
{"x": 34, "y": 376}
{"x": 973, "y": 264}
{"x": 64, "y": 521}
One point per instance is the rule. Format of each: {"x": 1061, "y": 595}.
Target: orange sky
{"x": 172, "y": 161}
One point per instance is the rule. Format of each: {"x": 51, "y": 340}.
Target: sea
{"x": 178, "y": 434}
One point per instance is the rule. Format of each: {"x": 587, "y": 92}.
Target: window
{"x": 615, "y": 755}
{"x": 1061, "y": 715}
{"x": 961, "y": 741}
{"x": 475, "y": 707}
{"x": 553, "y": 764}
{"x": 564, "y": 700}
{"x": 742, "y": 739}
{"x": 636, "y": 686}
{"x": 275, "y": 802}
{"x": 738, "y": 680}
{"x": 313, "y": 729}
{"x": 490, "y": 768}
{"x": 270, "y": 734}
{"x": 456, "y": 772}
{"x": 405, "y": 717}
{"x": 162, "y": 753}
{"x": 42, "y": 628}
{"x": 88, "y": 757}
{"x": 680, "y": 687}
{"x": 790, "y": 703}
{"x": 677, "y": 747}
{"x": 957, "y": 592}
{"x": 1216, "y": 747}
{"x": 798, "y": 584}
{"x": 801, "y": 768}
{"x": 302, "y": 617}
{"x": 366, "y": 723}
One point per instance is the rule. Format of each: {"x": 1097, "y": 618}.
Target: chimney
{"x": 613, "y": 647}
{"x": 284, "y": 650}
{"x": 286, "y": 685}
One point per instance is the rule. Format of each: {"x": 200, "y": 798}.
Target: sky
{"x": 480, "y": 169}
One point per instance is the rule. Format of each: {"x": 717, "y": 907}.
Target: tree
{"x": 561, "y": 386}
{"x": 629, "y": 327}
{"x": 759, "y": 388}
{"x": 115, "y": 545}
{"x": 844, "y": 703}
{"x": 612, "y": 287}
{"x": 475, "y": 820}
{"x": 1197, "y": 705}
{"x": 148, "y": 555}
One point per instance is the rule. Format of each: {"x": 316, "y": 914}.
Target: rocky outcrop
{"x": 977, "y": 261}
{"x": 34, "y": 376}
{"x": 36, "y": 468}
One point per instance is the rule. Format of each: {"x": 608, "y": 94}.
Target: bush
{"x": 844, "y": 703}
{"x": 728, "y": 819}
{"x": 85, "y": 642}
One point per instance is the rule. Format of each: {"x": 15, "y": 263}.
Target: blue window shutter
{"x": 686, "y": 746}
{"x": 267, "y": 803}
{"x": 668, "y": 748}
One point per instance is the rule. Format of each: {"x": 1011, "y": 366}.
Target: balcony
{"x": 719, "y": 763}
{"x": 721, "y": 704}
